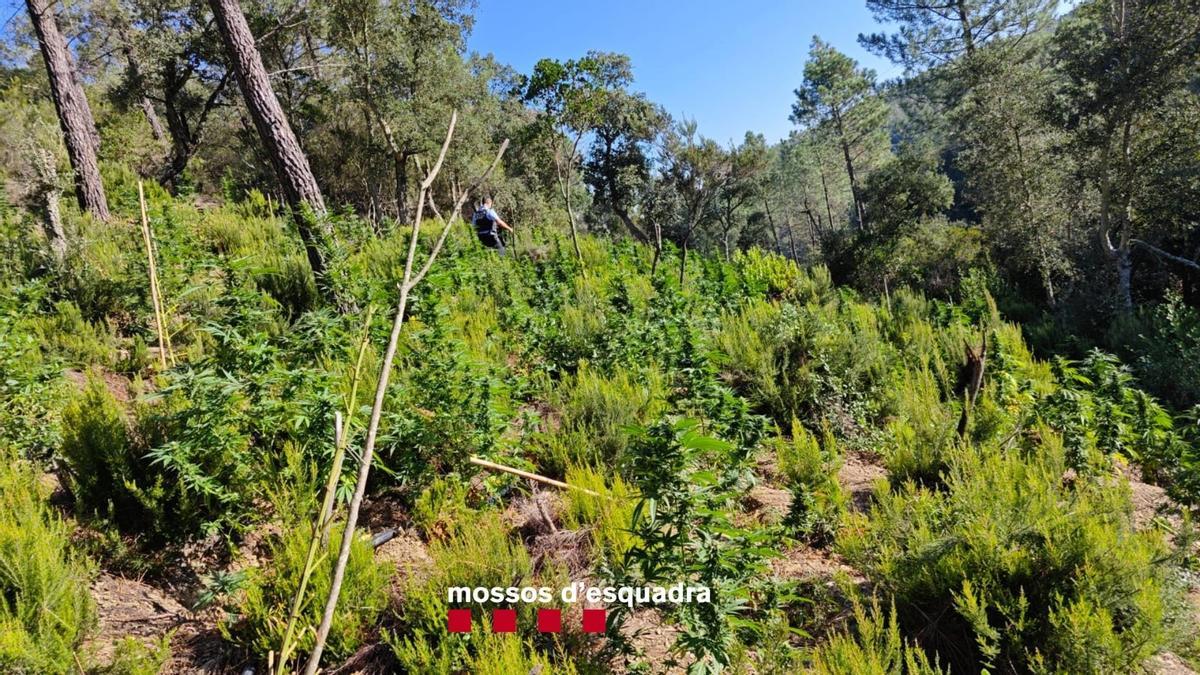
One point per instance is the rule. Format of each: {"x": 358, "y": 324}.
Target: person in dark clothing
{"x": 486, "y": 221}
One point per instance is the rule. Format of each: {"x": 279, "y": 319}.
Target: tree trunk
{"x": 564, "y": 173}
{"x": 657, "y": 249}
{"x": 964, "y": 23}
{"x": 791, "y": 230}
{"x": 400, "y": 161}
{"x": 825, "y": 189}
{"x": 683, "y": 262}
{"x": 74, "y": 113}
{"x": 46, "y": 194}
{"x": 291, "y": 166}
{"x": 855, "y": 193}
{"x": 1124, "y": 258}
{"x": 771, "y": 223}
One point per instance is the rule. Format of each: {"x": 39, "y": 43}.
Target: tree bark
{"x": 46, "y": 194}
{"x": 855, "y": 192}
{"x": 291, "y": 166}
{"x": 683, "y": 262}
{"x": 825, "y": 189}
{"x": 74, "y": 113}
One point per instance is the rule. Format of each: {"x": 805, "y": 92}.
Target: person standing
{"x": 486, "y": 222}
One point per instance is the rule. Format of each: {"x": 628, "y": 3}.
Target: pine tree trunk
{"x": 46, "y": 195}
{"x": 291, "y": 166}
{"x": 74, "y": 113}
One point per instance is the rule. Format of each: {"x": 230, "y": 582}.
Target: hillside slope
{"x": 860, "y": 485}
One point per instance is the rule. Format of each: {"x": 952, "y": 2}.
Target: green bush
{"x": 441, "y": 508}
{"x": 481, "y": 554}
{"x": 46, "y": 607}
{"x": 810, "y": 472}
{"x": 260, "y": 617}
{"x": 922, "y": 432}
{"x": 132, "y": 657}
{"x": 31, "y": 391}
{"x": 108, "y": 476}
{"x": 77, "y": 341}
{"x": 608, "y": 513}
{"x": 1021, "y": 568}
{"x": 598, "y": 409}
{"x": 874, "y": 648}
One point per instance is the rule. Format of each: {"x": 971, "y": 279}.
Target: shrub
{"x": 260, "y": 618}
{"x": 1021, "y": 567}
{"x": 480, "y": 554}
{"x": 31, "y": 391}
{"x": 919, "y": 437}
{"x": 689, "y": 485}
{"x": 441, "y": 508}
{"x": 78, "y": 342}
{"x": 810, "y": 472}
{"x": 46, "y": 607}
{"x": 108, "y": 477}
{"x": 608, "y": 513}
{"x": 132, "y": 657}
{"x": 597, "y": 410}
{"x": 874, "y": 648}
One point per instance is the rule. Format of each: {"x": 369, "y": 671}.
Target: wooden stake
{"x": 153, "y": 269}
{"x": 531, "y": 476}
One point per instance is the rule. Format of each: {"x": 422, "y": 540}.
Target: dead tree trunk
{"x": 74, "y": 113}
{"x": 291, "y": 165}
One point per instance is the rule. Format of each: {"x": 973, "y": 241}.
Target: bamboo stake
{"x": 162, "y": 307}
{"x": 324, "y": 520}
{"x": 531, "y": 476}
{"x": 364, "y": 469}
{"x": 158, "y": 313}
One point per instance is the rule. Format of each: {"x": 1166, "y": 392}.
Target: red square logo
{"x": 458, "y": 621}
{"x": 504, "y": 620}
{"x": 594, "y": 620}
{"x": 549, "y": 621}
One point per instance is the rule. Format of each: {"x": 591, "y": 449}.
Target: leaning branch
{"x": 1190, "y": 264}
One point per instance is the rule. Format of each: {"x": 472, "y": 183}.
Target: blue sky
{"x": 731, "y": 66}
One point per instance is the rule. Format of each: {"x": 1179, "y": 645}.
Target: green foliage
{"x": 259, "y": 618}
{"x": 31, "y": 389}
{"x": 80, "y": 342}
{"x": 597, "y": 411}
{"x": 809, "y": 469}
{"x": 109, "y": 477}
{"x": 919, "y": 438}
{"x": 132, "y": 657}
{"x": 684, "y": 530}
{"x": 608, "y": 513}
{"x": 441, "y": 508}
{"x": 46, "y": 607}
{"x": 480, "y": 554}
{"x": 874, "y": 648}
{"x": 1031, "y": 569}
